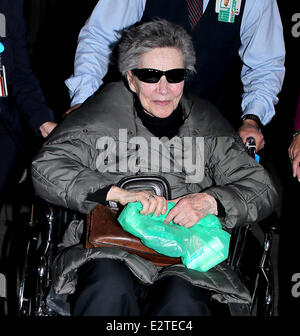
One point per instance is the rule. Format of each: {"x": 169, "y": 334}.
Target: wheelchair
{"x": 248, "y": 257}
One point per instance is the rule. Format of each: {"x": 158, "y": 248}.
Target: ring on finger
{"x": 149, "y": 197}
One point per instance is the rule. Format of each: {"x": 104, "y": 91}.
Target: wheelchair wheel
{"x": 264, "y": 293}
{"x": 34, "y": 276}
{"x": 28, "y": 270}
{"x": 255, "y": 269}
{"x": 25, "y": 275}
{"x": 24, "y": 301}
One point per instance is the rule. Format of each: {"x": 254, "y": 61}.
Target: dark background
{"x": 53, "y": 30}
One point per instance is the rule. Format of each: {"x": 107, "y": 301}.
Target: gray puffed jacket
{"x": 72, "y": 164}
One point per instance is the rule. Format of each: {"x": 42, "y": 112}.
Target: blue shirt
{"x": 262, "y": 51}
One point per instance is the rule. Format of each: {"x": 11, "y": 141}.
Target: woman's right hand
{"x": 151, "y": 203}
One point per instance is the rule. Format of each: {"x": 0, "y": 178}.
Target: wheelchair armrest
{"x": 237, "y": 245}
{"x": 268, "y": 226}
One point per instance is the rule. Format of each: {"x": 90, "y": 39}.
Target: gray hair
{"x": 144, "y": 37}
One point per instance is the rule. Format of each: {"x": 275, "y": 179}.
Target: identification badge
{"x": 3, "y": 84}
{"x": 227, "y": 11}
{"x": 237, "y": 7}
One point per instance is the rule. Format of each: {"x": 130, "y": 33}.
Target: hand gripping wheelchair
{"x": 248, "y": 257}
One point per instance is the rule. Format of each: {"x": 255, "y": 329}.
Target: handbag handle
{"x": 157, "y": 185}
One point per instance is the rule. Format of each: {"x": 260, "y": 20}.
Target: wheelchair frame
{"x": 45, "y": 232}
{"x": 32, "y": 300}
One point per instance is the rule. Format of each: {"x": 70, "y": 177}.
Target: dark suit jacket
{"x": 25, "y": 104}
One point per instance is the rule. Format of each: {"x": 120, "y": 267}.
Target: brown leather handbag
{"x": 104, "y": 230}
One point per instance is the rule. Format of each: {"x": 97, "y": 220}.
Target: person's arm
{"x": 294, "y": 154}
{"x": 240, "y": 184}
{"x": 25, "y": 87}
{"x": 263, "y": 53}
{"x": 64, "y": 173}
{"x": 95, "y": 43}
{"x": 151, "y": 203}
{"x": 294, "y": 149}
{"x": 61, "y": 170}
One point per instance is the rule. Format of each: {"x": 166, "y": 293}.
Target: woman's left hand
{"x": 190, "y": 209}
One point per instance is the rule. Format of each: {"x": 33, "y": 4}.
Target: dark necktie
{"x": 195, "y": 11}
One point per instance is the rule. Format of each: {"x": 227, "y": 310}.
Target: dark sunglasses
{"x": 153, "y": 75}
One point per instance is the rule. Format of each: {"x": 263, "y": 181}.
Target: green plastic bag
{"x": 200, "y": 247}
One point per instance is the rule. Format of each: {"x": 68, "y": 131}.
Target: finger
{"x": 190, "y": 223}
{"x": 260, "y": 145}
{"x": 298, "y": 174}
{"x": 165, "y": 207}
{"x": 172, "y": 214}
{"x": 185, "y": 221}
{"x": 145, "y": 203}
{"x": 291, "y": 148}
{"x": 180, "y": 219}
{"x": 159, "y": 205}
{"x": 259, "y": 140}
{"x": 65, "y": 114}
{"x": 153, "y": 204}
{"x": 145, "y": 198}
{"x": 295, "y": 167}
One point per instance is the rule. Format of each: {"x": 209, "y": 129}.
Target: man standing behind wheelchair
{"x": 156, "y": 58}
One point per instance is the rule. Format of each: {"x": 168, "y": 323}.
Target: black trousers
{"x": 106, "y": 287}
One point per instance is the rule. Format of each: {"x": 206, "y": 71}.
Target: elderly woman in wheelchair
{"x": 113, "y": 135}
